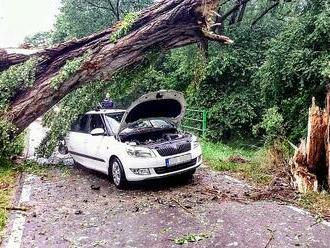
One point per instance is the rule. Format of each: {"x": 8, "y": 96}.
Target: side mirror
{"x": 97, "y": 131}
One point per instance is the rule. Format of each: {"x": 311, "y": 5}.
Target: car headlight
{"x": 140, "y": 152}
{"x": 195, "y": 142}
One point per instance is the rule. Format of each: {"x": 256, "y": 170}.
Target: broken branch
{"x": 182, "y": 206}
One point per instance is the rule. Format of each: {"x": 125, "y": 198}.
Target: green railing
{"x": 195, "y": 120}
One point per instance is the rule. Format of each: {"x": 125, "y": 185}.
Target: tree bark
{"x": 310, "y": 168}
{"x": 317, "y": 126}
{"x": 327, "y": 139}
{"x": 165, "y": 25}
{"x": 303, "y": 180}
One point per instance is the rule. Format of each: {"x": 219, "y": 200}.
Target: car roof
{"x": 105, "y": 111}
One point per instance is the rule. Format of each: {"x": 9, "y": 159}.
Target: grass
{"x": 318, "y": 203}
{"x": 223, "y": 157}
{"x": 7, "y": 180}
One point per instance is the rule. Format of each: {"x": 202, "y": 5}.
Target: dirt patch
{"x": 238, "y": 159}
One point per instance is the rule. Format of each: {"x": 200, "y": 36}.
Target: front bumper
{"x": 158, "y": 168}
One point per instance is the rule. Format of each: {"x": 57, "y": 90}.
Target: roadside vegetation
{"x": 7, "y": 181}
{"x": 248, "y": 163}
{"x": 318, "y": 203}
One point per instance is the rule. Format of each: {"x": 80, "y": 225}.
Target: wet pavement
{"x": 64, "y": 211}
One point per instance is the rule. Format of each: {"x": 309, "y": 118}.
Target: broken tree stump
{"x": 317, "y": 125}
{"x": 309, "y": 163}
{"x": 327, "y": 139}
{"x": 303, "y": 180}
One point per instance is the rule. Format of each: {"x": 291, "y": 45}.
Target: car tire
{"x": 117, "y": 173}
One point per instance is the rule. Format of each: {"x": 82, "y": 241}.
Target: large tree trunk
{"x": 163, "y": 26}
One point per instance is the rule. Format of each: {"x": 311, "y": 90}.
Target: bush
{"x": 271, "y": 126}
{"x": 8, "y": 146}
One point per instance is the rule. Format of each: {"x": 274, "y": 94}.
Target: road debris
{"x": 272, "y": 233}
{"x": 182, "y": 206}
{"x": 78, "y": 212}
{"x": 190, "y": 238}
{"x": 166, "y": 213}
{"x": 95, "y": 187}
{"x": 18, "y": 208}
{"x": 238, "y": 159}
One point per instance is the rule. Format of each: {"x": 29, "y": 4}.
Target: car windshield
{"x": 114, "y": 119}
{"x": 146, "y": 124}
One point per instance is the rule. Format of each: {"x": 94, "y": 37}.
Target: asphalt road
{"x": 64, "y": 211}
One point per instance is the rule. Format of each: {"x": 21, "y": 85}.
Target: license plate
{"x": 177, "y": 160}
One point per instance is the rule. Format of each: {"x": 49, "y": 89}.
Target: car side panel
{"x": 76, "y": 145}
{"x": 97, "y": 151}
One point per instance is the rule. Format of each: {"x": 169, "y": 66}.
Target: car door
{"x": 77, "y": 139}
{"x": 96, "y": 145}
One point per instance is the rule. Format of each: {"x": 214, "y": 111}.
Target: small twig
{"x": 217, "y": 14}
{"x": 271, "y": 237}
{"x": 17, "y": 208}
{"x": 216, "y": 25}
{"x": 182, "y": 206}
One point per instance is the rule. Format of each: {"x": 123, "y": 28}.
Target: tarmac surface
{"x": 75, "y": 207}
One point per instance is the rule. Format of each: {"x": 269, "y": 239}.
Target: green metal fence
{"x": 195, "y": 120}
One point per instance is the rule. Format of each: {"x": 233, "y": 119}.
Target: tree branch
{"x": 223, "y": 3}
{"x": 95, "y": 5}
{"x": 219, "y": 38}
{"x": 274, "y": 5}
{"x": 235, "y": 8}
{"x": 118, "y": 9}
{"x": 116, "y": 14}
{"x": 241, "y": 12}
{"x": 163, "y": 26}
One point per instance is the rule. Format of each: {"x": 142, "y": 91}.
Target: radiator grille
{"x": 164, "y": 169}
{"x": 173, "y": 149}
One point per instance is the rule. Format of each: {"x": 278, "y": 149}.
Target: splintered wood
{"x": 311, "y": 157}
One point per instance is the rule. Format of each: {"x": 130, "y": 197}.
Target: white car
{"x": 141, "y": 143}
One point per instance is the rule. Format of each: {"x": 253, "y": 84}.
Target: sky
{"x": 19, "y": 18}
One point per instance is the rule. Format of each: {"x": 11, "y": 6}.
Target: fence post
{"x": 204, "y": 124}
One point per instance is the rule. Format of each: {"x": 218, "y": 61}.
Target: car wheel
{"x": 118, "y": 174}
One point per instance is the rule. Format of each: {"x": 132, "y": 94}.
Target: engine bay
{"x": 153, "y": 137}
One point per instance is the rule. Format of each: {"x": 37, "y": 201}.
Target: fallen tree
{"x": 65, "y": 67}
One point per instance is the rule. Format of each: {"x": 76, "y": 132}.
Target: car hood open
{"x": 164, "y": 104}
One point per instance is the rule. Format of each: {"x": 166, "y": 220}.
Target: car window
{"x": 76, "y": 125}
{"x": 83, "y": 124}
{"x": 113, "y": 120}
{"x": 80, "y": 125}
{"x": 96, "y": 122}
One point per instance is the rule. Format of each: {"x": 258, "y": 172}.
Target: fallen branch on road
{"x": 182, "y": 206}
{"x": 18, "y": 208}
